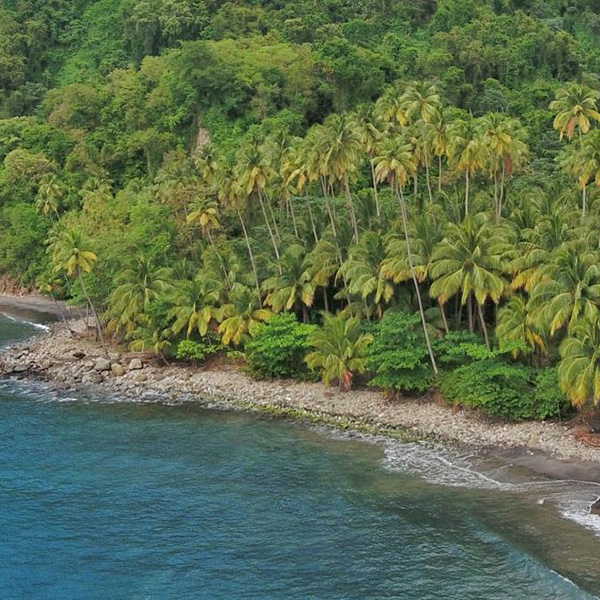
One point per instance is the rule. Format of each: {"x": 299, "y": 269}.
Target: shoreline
{"x": 72, "y": 363}
{"x": 37, "y": 308}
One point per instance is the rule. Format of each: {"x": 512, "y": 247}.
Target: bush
{"x": 278, "y": 348}
{"x": 195, "y": 351}
{"x": 458, "y": 348}
{"x": 550, "y": 402}
{"x": 497, "y": 388}
{"x": 398, "y": 356}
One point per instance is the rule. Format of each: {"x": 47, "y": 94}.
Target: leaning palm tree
{"x": 339, "y": 348}
{"x": 70, "y": 253}
{"x": 576, "y": 106}
{"x": 579, "y": 367}
{"x": 470, "y": 261}
{"x": 395, "y": 165}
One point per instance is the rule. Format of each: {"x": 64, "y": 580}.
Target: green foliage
{"x": 550, "y": 402}
{"x": 278, "y": 348}
{"x": 497, "y": 388}
{"x": 190, "y": 350}
{"x": 339, "y": 350}
{"x": 398, "y": 356}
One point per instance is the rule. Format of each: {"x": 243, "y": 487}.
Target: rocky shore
{"x": 75, "y": 362}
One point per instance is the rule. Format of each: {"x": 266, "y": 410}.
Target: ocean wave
{"x": 40, "y": 326}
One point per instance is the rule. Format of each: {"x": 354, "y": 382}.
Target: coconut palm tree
{"x": 466, "y": 151}
{"x": 50, "y": 193}
{"x": 440, "y": 140}
{"x": 363, "y": 274}
{"x": 422, "y": 104}
{"x": 470, "y": 261}
{"x": 242, "y": 316}
{"x": 503, "y": 138}
{"x": 568, "y": 288}
{"x": 339, "y": 348}
{"x": 253, "y": 175}
{"x": 395, "y": 165}
{"x": 138, "y": 285}
{"x": 70, "y": 253}
{"x": 341, "y": 144}
{"x": 576, "y": 107}
{"x": 368, "y": 127}
{"x": 515, "y": 326}
{"x": 195, "y": 306}
{"x": 579, "y": 367}
{"x": 294, "y": 288}
{"x": 391, "y": 108}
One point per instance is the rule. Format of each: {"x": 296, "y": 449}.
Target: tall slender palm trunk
{"x": 271, "y": 235}
{"x": 403, "y": 210}
{"x": 483, "y": 325}
{"x": 250, "y": 253}
{"x": 467, "y": 178}
{"x": 351, "y": 207}
{"x": 96, "y": 318}
{"x": 375, "y": 191}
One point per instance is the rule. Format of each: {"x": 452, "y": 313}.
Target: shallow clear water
{"x": 103, "y": 500}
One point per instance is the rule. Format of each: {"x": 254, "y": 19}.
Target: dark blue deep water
{"x": 111, "y": 501}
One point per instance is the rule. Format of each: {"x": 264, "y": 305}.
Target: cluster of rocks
{"x": 75, "y": 361}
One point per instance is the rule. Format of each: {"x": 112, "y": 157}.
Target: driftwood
{"x": 587, "y": 437}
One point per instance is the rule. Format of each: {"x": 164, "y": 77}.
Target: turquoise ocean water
{"x": 104, "y": 500}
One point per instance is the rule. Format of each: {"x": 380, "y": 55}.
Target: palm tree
{"x": 440, "y": 140}
{"x": 50, "y": 193}
{"x": 70, "y": 253}
{"x": 138, "y": 285}
{"x": 579, "y": 367}
{"x": 195, "y": 306}
{"x": 576, "y": 106}
{"x": 294, "y": 287}
{"x": 466, "y": 151}
{"x": 568, "y": 288}
{"x": 584, "y": 163}
{"x": 368, "y": 128}
{"x": 470, "y": 261}
{"x": 515, "y": 326}
{"x": 391, "y": 108}
{"x": 339, "y": 348}
{"x": 422, "y": 104}
{"x": 341, "y": 144}
{"x": 363, "y": 274}
{"x": 395, "y": 165}
{"x": 242, "y": 316}
{"x": 503, "y": 138}
{"x": 253, "y": 175}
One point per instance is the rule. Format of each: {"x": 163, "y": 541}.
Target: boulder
{"x": 135, "y": 364}
{"x": 595, "y": 508}
{"x": 94, "y": 377}
{"x": 102, "y": 364}
{"x": 79, "y": 355}
{"x": 21, "y": 368}
{"x": 117, "y": 370}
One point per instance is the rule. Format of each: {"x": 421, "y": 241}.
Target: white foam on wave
{"x": 25, "y": 322}
{"x": 442, "y": 466}
{"x": 438, "y": 465}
